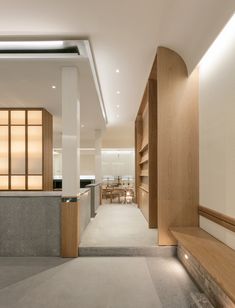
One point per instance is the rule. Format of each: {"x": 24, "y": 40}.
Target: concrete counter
{"x": 30, "y": 223}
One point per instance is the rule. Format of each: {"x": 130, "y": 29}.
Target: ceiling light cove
{"x": 31, "y": 44}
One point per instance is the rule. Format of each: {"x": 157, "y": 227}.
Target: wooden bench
{"x": 217, "y": 259}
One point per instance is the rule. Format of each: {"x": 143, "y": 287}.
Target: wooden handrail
{"x": 219, "y": 218}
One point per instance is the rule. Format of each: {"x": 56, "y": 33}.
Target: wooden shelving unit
{"x": 166, "y": 144}
{"x": 145, "y": 162}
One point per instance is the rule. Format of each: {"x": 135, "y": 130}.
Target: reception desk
{"x": 30, "y": 222}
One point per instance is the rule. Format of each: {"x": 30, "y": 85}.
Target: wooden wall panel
{"x": 144, "y": 203}
{"x": 47, "y": 151}
{"x": 145, "y": 124}
{"x": 178, "y": 162}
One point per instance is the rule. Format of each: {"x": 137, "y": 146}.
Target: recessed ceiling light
{"x": 82, "y": 125}
{"x": 53, "y": 87}
{"x": 118, "y": 106}
{"x": 117, "y": 71}
{"x": 118, "y": 92}
{"x": 117, "y": 115}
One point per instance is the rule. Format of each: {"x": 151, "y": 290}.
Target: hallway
{"x": 118, "y": 225}
{"x": 94, "y": 283}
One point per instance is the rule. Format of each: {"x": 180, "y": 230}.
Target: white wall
{"x": 217, "y": 132}
{"x": 118, "y": 162}
{"x": 115, "y": 162}
{"x": 87, "y": 161}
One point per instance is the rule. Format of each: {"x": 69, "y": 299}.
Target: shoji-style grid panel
{"x": 25, "y": 149}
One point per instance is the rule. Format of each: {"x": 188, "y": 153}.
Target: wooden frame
{"x": 47, "y": 147}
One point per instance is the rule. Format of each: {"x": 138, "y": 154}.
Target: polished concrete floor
{"x": 120, "y": 225}
{"x": 103, "y": 282}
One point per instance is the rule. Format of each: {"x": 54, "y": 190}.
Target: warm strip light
{"x": 222, "y": 43}
{"x": 31, "y": 45}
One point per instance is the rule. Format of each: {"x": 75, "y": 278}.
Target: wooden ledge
{"x": 217, "y": 258}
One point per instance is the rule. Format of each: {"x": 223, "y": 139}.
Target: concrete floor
{"x": 119, "y": 225}
{"x": 103, "y": 282}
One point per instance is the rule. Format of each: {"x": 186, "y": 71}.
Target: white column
{"x": 98, "y": 162}
{"x": 70, "y": 132}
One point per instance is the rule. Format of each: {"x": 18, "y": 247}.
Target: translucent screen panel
{"x": 4, "y": 117}
{"x": 17, "y": 117}
{"x": 34, "y": 149}
{"x": 17, "y": 182}
{"x": 4, "y": 149}
{"x": 4, "y": 182}
{"x": 17, "y": 149}
{"x": 35, "y": 182}
{"x": 34, "y": 117}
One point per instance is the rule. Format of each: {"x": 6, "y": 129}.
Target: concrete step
{"x": 199, "y": 300}
{"x": 152, "y": 251}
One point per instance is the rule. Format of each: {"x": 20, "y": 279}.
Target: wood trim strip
{"x": 219, "y": 218}
{"x": 70, "y": 233}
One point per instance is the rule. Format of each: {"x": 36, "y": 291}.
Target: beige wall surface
{"x": 121, "y": 136}
{"x": 87, "y": 163}
{"x": 217, "y": 134}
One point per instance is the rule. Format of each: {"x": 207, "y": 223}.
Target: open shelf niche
{"x": 146, "y": 159}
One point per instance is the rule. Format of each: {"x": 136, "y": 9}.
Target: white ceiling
{"x": 124, "y": 34}
{"x": 28, "y": 83}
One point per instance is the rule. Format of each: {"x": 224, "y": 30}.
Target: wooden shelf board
{"x": 144, "y": 188}
{"x": 143, "y": 161}
{"x": 144, "y": 173}
{"x": 144, "y": 147}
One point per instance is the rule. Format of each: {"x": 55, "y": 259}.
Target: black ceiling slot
{"x": 70, "y": 49}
